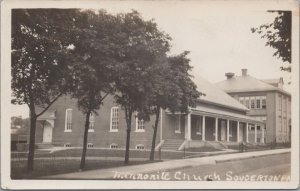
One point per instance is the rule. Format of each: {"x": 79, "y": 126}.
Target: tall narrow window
{"x": 92, "y": 122}
{"x": 114, "y": 119}
{"x": 68, "y": 120}
{"x": 252, "y": 102}
{"x": 139, "y": 124}
{"x": 263, "y": 102}
{"x": 258, "y": 102}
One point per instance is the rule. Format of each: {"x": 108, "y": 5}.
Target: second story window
{"x": 114, "y": 119}
{"x": 263, "y": 102}
{"x": 252, "y": 102}
{"x": 258, "y": 102}
{"x": 92, "y": 122}
{"x": 68, "y": 120}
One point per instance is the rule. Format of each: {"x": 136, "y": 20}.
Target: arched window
{"x": 68, "y": 120}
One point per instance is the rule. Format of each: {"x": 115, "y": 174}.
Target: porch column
{"x": 216, "y": 129}
{"x": 247, "y": 133}
{"x": 238, "y": 132}
{"x": 227, "y": 134}
{"x": 188, "y": 127}
{"x": 203, "y": 128}
{"x": 263, "y": 134}
{"x": 255, "y": 133}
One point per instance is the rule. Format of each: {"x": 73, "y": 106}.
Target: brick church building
{"x": 219, "y": 119}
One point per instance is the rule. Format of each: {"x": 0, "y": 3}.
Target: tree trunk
{"x": 128, "y": 120}
{"x": 30, "y": 159}
{"x": 85, "y": 137}
{"x": 154, "y": 133}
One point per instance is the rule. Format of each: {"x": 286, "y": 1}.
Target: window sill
{"x": 140, "y": 131}
{"x": 68, "y": 131}
{"x": 198, "y": 133}
{"x": 113, "y": 130}
{"x": 91, "y": 130}
{"x": 178, "y": 132}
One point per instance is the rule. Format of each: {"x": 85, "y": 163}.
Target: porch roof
{"x": 224, "y": 114}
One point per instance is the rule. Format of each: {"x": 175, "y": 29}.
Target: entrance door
{"x": 47, "y": 135}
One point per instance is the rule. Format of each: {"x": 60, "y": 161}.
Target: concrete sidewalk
{"x": 165, "y": 165}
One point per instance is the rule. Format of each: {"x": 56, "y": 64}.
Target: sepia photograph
{"x": 150, "y": 94}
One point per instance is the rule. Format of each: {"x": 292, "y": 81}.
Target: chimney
{"x": 229, "y": 75}
{"x": 244, "y": 72}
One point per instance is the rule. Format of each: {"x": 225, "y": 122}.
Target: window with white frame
{"x": 90, "y": 145}
{"x": 92, "y": 122}
{"x": 139, "y": 124}
{"x": 67, "y": 145}
{"x": 178, "y": 124}
{"x": 140, "y": 147}
{"x": 113, "y": 146}
{"x": 263, "y": 102}
{"x": 114, "y": 119}
{"x": 68, "y": 120}
{"x": 258, "y": 102}
{"x": 252, "y": 102}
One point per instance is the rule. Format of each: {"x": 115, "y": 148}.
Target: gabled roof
{"x": 246, "y": 83}
{"x": 216, "y": 96}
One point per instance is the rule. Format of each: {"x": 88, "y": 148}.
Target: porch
{"x": 222, "y": 127}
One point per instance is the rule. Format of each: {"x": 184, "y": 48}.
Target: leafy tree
{"x": 173, "y": 89}
{"x": 140, "y": 42}
{"x": 278, "y": 35}
{"x": 39, "y": 67}
{"x": 93, "y": 56}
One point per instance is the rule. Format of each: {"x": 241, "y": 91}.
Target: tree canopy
{"x": 40, "y": 67}
{"x": 278, "y": 35}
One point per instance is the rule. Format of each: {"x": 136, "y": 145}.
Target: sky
{"x": 218, "y": 37}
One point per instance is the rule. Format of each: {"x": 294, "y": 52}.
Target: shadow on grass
{"x": 51, "y": 167}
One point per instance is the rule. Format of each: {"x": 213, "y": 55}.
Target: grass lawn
{"x": 52, "y": 167}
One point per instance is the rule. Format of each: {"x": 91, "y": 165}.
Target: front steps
{"x": 172, "y": 144}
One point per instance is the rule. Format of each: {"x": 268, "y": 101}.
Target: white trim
{"x": 111, "y": 116}
{"x": 137, "y": 124}
{"x": 139, "y": 145}
{"x": 91, "y": 122}
{"x": 113, "y": 144}
{"x": 66, "y": 121}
